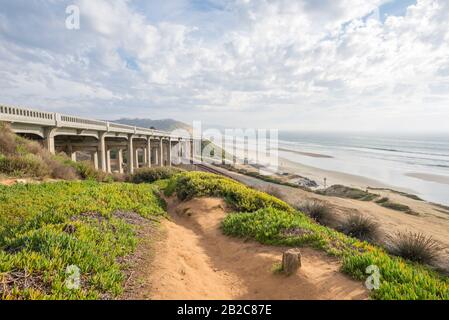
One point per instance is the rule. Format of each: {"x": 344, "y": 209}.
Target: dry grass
{"x": 360, "y": 227}
{"x": 415, "y": 247}
{"x": 318, "y": 211}
{"x": 273, "y": 191}
{"x": 20, "y": 157}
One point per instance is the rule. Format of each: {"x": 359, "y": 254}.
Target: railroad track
{"x": 207, "y": 168}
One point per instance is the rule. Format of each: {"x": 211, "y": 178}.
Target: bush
{"x": 188, "y": 185}
{"x": 318, "y": 211}
{"x": 360, "y": 227}
{"x": 415, "y": 247}
{"x": 24, "y": 166}
{"x": 7, "y": 140}
{"x": 347, "y": 192}
{"x": 396, "y": 206}
{"x": 149, "y": 175}
{"x": 273, "y": 191}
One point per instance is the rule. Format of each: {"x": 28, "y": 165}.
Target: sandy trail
{"x": 196, "y": 261}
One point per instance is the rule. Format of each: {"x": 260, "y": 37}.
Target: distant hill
{"x": 163, "y": 124}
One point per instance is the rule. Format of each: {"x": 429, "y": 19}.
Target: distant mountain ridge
{"x": 163, "y": 124}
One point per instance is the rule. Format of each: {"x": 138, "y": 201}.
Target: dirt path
{"x": 194, "y": 260}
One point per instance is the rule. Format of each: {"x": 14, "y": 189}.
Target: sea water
{"x": 387, "y": 158}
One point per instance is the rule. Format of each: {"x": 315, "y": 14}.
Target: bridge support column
{"x": 169, "y": 151}
{"x": 71, "y": 153}
{"x": 102, "y": 151}
{"x": 95, "y": 159}
{"x": 136, "y": 158}
{"x": 108, "y": 161}
{"x": 161, "y": 152}
{"x": 120, "y": 160}
{"x": 192, "y": 153}
{"x": 148, "y": 152}
{"x": 49, "y": 140}
{"x": 130, "y": 154}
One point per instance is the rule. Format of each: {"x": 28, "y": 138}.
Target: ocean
{"x": 419, "y": 163}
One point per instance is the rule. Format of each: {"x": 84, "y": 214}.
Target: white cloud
{"x": 307, "y": 63}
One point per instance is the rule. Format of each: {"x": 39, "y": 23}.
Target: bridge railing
{"x": 9, "y": 113}
{"x": 80, "y": 123}
{"x": 25, "y": 115}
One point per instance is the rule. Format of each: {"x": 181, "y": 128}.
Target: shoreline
{"x": 307, "y": 154}
{"x": 335, "y": 177}
{"x": 429, "y": 177}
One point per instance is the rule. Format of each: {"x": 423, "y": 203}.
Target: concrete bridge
{"x": 110, "y": 146}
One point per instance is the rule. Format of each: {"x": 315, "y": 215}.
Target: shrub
{"x": 347, "y": 192}
{"x": 318, "y": 211}
{"x": 7, "y": 140}
{"x": 382, "y": 200}
{"x": 149, "y": 175}
{"x": 28, "y": 166}
{"x": 360, "y": 227}
{"x": 188, "y": 185}
{"x": 396, "y": 206}
{"x": 273, "y": 191}
{"x": 87, "y": 171}
{"x": 415, "y": 247}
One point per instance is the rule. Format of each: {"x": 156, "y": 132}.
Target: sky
{"x": 327, "y": 65}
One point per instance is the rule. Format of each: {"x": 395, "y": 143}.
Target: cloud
{"x": 283, "y": 63}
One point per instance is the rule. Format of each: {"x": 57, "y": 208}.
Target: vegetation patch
{"x": 360, "y": 227}
{"x": 271, "y": 221}
{"x": 405, "y": 194}
{"x": 397, "y": 207}
{"x": 46, "y": 228}
{"x": 347, "y": 192}
{"x": 23, "y": 158}
{"x": 318, "y": 211}
{"x": 266, "y": 178}
{"x": 189, "y": 185}
{"x": 149, "y": 175}
{"x": 415, "y": 247}
{"x": 385, "y": 202}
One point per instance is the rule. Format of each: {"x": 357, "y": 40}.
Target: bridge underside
{"x": 109, "y": 151}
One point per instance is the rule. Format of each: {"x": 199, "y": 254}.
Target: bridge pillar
{"x": 130, "y": 154}
{"x": 95, "y": 159}
{"x": 148, "y": 152}
{"x": 169, "y": 151}
{"x": 71, "y": 153}
{"x": 161, "y": 152}
{"x": 136, "y": 158}
{"x": 108, "y": 161}
{"x": 120, "y": 160}
{"x": 102, "y": 151}
{"x": 192, "y": 154}
{"x": 49, "y": 139}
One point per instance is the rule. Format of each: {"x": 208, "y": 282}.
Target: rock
{"x": 291, "y": 261}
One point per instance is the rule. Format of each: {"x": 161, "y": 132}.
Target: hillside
{"x": 162, "y": 124}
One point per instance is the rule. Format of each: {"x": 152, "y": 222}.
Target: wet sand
{"x": 429, "y": 177}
